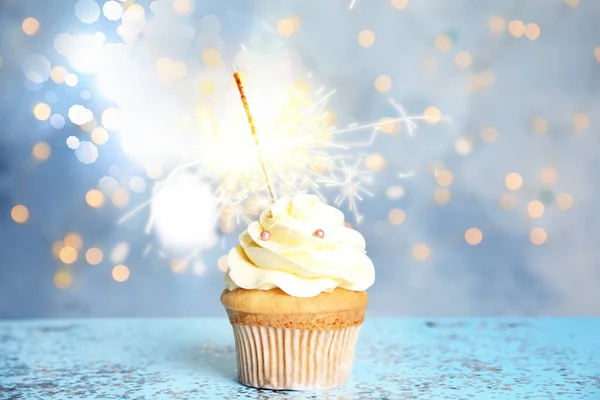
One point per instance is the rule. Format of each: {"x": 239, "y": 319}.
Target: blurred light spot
{"x": 444, "y": 178}
{"x": 207, "y": 86}
{"x": 94, "y": 198}
{"x": 441, "y": 196}
{"x": 68, "y": 255}
{"x": 227, "y": 225}
{"x": 396, "y": 216}
{"x": 112, "y": 10}
{"x": 328, "y": 119}
{"x": 120, "y": 198}
{"x": 119, "y": 253}
{"x": 80, "y": 115}
{"x": 85, "y": 94}
{"x": 463, "y": 146}
{"x": 73, "y": 142}
{"x": 73, "y": 240}
{"x": 210, "y": 24}
{"x": 19, "y": 213}
{"x": 508, "y": 201}
{"x": 489, "y": 134}
{"x": 473, "y": 236}
{"x": 211, "y": 57}
{"x": 137, "y": 184}
{"x": 99, "y": 136}
{"x": 71, "y": 80}
{"x": 94, "y": 256}
{"x": 199, "y": 268}
{"x": 58, "y": 74}
{"x": 429, "y": 65}
{"x": 108, "y": 185}
{"x": 497, "y": 24}
{"x": 41, "y": 151}
{"x": 57, "y": 247}
{"x": 399, "y": 4}
{"x": 154, "y": 171}
{"x": 432, "y": 115}
{"x": 383, "y": 83}
{"x": 513, "y": 181}
{"x": 62, "y": 280}
{"x": 463, "y": 60}
{"x": 580, "y": 121}
{"x": 87, "y": 11}
{"x": 564, "y": 201}
{"x": 375, "y": 162}
{"x": 535, "y": 209}
{"x": 185, "y": 213}
{"x": 443, "y": 43}
{"x": 87, "y": 152}
{"x": 222, "y": 263}
{"x": 387, "y": 125}
{"x": 37, "y": 68}
{"x": 516, "y": 28}
{"x": 366, "y": 38}
{"x": 532, "y": 31}
{"x": 548, "y": 176}
{"x": 30, "y": 26}
{"x": 57, "y": 121}
{"x": 538, "y": 236}
{"x": 420, "y": 251}
{"x": 42, "y": 111}
{"x": 111, "y": 119}
{"x": 179, "y": 266}
{"x": 120, "y": 273}
{"x": 596, "y": 55}
{"x": 285, "y": 27}
{"x": 572, "y": 3}
{"x": 539, "y": 125}
{"x": 395, "y": 192}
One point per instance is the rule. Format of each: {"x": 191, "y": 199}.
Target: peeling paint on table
{"x": 396, "y": 358}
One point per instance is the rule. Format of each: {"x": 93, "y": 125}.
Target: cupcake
{"x": 295, "y": 296}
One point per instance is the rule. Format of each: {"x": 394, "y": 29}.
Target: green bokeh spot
{"x": 453, "y": 34}
{"x": 546, "y": 196}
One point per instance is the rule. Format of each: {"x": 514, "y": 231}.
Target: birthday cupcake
{"x": 295, "y": 295}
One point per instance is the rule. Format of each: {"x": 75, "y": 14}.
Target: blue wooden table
{"x": 395, "y": 359}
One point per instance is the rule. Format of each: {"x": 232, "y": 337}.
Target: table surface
{"x": 396, "y": 358}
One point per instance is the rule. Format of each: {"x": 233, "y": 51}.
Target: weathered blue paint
{"x": 395, "y": 359}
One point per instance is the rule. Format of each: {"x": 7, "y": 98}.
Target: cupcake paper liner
{"x": 294, "y": 359}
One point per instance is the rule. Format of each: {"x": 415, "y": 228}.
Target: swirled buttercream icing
{"x": 295, "y": 256}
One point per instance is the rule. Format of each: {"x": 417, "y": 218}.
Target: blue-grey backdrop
{"x": 485, "y": 207}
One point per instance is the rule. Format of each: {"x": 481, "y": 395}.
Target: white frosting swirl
{"x": 296, "y": 261}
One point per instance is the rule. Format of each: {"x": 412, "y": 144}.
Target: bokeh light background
{"x": 491, "y": 212}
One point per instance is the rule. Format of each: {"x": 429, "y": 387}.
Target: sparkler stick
{"x": 238, "y": 81}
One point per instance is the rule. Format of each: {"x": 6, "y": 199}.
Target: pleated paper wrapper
{"x": 294, "y": 359}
